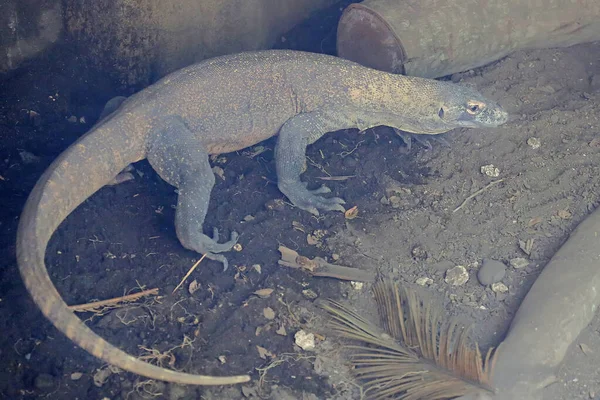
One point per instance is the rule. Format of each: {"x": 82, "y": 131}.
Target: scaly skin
{"x": 217, "y": 106}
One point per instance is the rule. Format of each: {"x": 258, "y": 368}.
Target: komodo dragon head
{"x": 429, "y": 107}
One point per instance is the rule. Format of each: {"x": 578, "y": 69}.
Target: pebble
{"x": 44, "y": 381}
{"x": 490, "y": 170}
{"x": 499, "y": 287}
{"x": 519, "y": 262}
{"x": 424, "y": 281}
{"x": 491, "y": 271}
{"x": 534, "y": 142}
{"x": 305, "y": 340}
{"x": 457, "y": 276}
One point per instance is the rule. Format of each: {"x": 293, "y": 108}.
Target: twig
{"x": 190, "y": 272}
{"x": 320, "y": 267}
{"x": 114, "y": 301}
{"x": 489, "y": 185}
{"x": 336, "y": 178}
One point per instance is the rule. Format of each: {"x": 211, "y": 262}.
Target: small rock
{"x": 419, "y": 253}
{"x": 457, "y": 276}
{"x": 554, "y": 119}
{"x": 72, "y": 119}
{"x": 75, "y": 376}
{"x": 534, "y": 142}
{"x": 499, "y": 287}
{"x": 44, "y": 381}
{"x": 335, "y": 257}
{"x": 305, "y": 340}
{"x": 424, "y": 281}
{"x": 491, "y": 271}
{"x": 310, "y": 294}
{"x": 490, "y": 171}
{"x": 519, "y": 262}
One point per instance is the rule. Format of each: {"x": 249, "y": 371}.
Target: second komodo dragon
{"x": 218, "y": 106}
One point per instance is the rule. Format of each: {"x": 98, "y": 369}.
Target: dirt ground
{"x": 122, "y": 239}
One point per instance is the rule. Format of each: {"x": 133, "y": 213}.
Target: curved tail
{"x": 68, "y": 182}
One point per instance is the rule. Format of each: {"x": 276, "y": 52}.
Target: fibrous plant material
{"x": 418, "y": 355}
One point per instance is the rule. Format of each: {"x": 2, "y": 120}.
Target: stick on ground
{"x": 112, "y": 302}
{"x": 189, "y": 272}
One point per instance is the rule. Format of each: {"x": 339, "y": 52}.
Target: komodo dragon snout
{"x": 217, "y": 106}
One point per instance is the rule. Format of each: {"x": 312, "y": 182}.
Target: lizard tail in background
{"x": 54, "y": 197}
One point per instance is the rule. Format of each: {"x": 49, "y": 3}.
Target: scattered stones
{"x": 534, "y": 143}
{"x": 457, "y": 276}
{"x": 519, "y": 262}
{"x": 305, "y": 340}
{"x": 491, "y": 271}
{"x": 499, "y": 287}
{"x": 44, "y": 381}
{"x": 424, "y": 281}
{"x": 490, "y": 171}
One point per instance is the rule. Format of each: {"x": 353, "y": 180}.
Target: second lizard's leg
{"x": 180, "y": 159}
{"x": 290, "y": 152}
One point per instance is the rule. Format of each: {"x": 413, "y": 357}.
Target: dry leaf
{"x": 264, "y": 293}
{"x": 75, "y": 376}
{"x": 311, "y": 240}
{"x": 534, "y": 221}
{"x": 193, "y": 287}
{"x": 223, "y": 359}
{"x": 585, "y": 348}
{"x": 564, "y": 214}
{"x": 281, "y": 331}
{"x": 351, "y": 213}
{"x": 269, "y": 313}
{"x": 257, "y": 268}
{"x": 264, "y": 353}
{"x": 298, "y": 226}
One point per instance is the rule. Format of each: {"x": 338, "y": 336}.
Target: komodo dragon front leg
{"x": 179, "y": 158}
{"x": 290, "y": 152}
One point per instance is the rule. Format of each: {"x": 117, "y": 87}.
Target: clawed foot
{"x": 210, "y": 247}
{"x": 311, "y": 200}
{"x": 424, "y": 140}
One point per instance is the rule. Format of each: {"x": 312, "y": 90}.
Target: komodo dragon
{"x": 218, "y": 106}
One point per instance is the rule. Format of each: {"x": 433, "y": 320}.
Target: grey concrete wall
{"x": 140, "y": 40}
{"x": 27, "y": 27}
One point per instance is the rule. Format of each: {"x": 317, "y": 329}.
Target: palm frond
{"x": 418, "y": 355}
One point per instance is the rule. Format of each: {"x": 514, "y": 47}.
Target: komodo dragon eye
{"x": 474, "y": 108}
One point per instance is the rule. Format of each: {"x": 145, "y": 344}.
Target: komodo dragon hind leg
{"x": 290, "y": 152}
{"x": 178, "y": 157}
